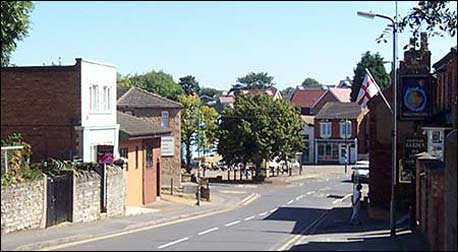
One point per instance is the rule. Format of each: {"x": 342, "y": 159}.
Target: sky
{"x": 216, "y": 42}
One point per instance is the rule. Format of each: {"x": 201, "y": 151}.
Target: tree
{"x": 259, "y": 128}
{"x": 310, "y": 82}
{"x": 158, "y": 82}
{"x": 208, "y": 131}
{"x": 375, "y": 64}
{"x": 15, "y": 22}
{"x": 189, "y": 120}
{"x": 189, "y": 85}
{"x": 209, "y": 91}
{"x": 260, "y": 80}
{"x": 435, "y": 17}
{"x": 123, "y": 81}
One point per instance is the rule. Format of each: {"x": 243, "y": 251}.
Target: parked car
{"x": 360, "y": 174}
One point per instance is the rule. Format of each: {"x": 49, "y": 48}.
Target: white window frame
{"x": 344, "y": 124}
{"x": 163, "y": 113}
{"x": 325, "y": 129}
{"x": 94, "y": 98}
{"x": 106, "y": 103}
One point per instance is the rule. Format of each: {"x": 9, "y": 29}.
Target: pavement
{"x": 170, "y": 209}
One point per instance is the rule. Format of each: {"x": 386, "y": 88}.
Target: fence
{"x": 6, "y": 156}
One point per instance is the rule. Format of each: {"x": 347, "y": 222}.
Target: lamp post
{"x": 198, "y": 154}
{"x": 395, "y": 86}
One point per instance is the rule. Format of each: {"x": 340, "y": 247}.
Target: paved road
{"x": 267, "y": 223}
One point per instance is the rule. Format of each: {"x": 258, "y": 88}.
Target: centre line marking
{"x": 208, "y": 231}
{"x": 289, "y": 202}
{"x": 173, "y": 243}
{"x": 232, "y": 223}
{"x": 249, "y": 218}
{"x": 262, "y": 214}
{"x": 299, "y": 197}
{"x": 310, "y": 192}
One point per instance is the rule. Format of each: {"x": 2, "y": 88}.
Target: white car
{"x": 360, "y": 174}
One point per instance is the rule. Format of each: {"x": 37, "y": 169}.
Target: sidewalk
{"x": 335, "y": 233}
{"x": 158, "y": 213}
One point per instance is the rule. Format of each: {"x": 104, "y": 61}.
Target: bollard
{"x": 171, "y": 186}
{"x": 241, "y": 175}
{"x": 235, "y": 173}
{"x": 228, "y": 175}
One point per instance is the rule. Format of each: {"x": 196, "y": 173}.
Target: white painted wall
{"x": 98, "y": 128}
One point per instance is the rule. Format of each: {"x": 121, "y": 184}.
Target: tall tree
{"x": 208, "y": 129}
{"x": 158, "y": 82}
{"x": 260, "y": 80}
{"x": 437, "y": 18}
{"x": 15, "y": 22}
{"x": 375, "y": 64}
{"x": 310, "y": 82}
{"x": 189, "y": 121}
{"x": 123, "y": 81}
{"x": 189, "y": 85}
{"x": 259, "y": 128}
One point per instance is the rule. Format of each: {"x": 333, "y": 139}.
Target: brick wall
{"x": 335, "y": 128}
{"x": 451, "y": 191}
{"x": 86, "y": 196}
{"x": 170, "y": 166}
{"x": 23, "y": 206}
{"x": 44, "y": 104}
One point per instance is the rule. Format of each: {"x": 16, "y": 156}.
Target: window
{"x": 320, "y": 150}
{"x": 345, "y": 129}
{"x": 99, "y": 102}
{"x": 136, "y": 157}
{"x": 94, "y": 98}
{"x": 149, "y": 156}
{"x": 325, "y": 129}
{"x": 106, "y": 98}
{"x": 165, "y": 119}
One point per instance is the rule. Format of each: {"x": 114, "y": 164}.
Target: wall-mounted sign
{"x": 167, "y": 146}
{"x": 415, "y": 97}
{"x": 412, "y": 146}
{"x": 105, "y": 154}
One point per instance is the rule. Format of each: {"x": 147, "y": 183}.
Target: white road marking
{"x": 262, "y": 214}
{"x": 310, "y": 192}
{"x": 232, "y": 223}
{"x": 173, "y": 243}
{"x": 289, "y": 202}
{"x": 342, "y": 199}
{"x": 208, "y": 231}
{"x": 249, "y": 218}
{"x": 299, "y": 197}
{"x": 273, "y": 210}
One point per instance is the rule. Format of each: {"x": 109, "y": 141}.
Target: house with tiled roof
{"x": 311, "y": 100}
{"x": 338, "y": 131}
{"x": 140, "y": 145}
{"x": 161, "y": 113}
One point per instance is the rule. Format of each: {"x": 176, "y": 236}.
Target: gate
{"x": 59, "y": 199}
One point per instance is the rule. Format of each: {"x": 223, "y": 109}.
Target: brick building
{"x": 162, "y": 113}
{"x": 64, "y": 112}
{"x": 338, "y": 132}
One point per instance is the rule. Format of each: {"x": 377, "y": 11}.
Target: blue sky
{"x": 215, "y": 41}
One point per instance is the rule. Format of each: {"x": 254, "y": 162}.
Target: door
{"x": 343, "y": 150}
{"x": 59, "y": 199}
{"x": 149, "y": 181}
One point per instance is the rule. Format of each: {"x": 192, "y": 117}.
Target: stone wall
{"x": 23, "y": 206}
{"x": 116, "y": 191}
{"x": 86, "y": 196}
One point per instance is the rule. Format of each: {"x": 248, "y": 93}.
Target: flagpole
{"x": 379, "y": 90}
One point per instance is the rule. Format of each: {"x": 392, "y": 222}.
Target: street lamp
{"x": 395, "y": 86}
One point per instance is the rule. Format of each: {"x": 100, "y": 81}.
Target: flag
{"x": 368, "y": 90}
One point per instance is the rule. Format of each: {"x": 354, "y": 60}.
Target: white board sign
{"x": 167, "y": 146}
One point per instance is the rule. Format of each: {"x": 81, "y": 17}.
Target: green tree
{"x": 15, "y": 22}
{"x": 310, "y": 82}
{"x": 375, "y": 64}
{"x": 209, "y": 91}
{"x": 260, "y": 80}
{"x": 208, "y": 130}
{"x": 437, "y": 18}
{"x": 123, "y": 81}
{"x": 189, "y": 120}
{"x": 158, "y": 82}
{"x": 259, "y": 128}
{"x": 189, "y": 85}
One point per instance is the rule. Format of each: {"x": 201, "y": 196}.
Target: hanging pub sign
{"x": 415, "y": 97}
{"x": 104, "y": 154}
{"x": 412, "y": 146}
